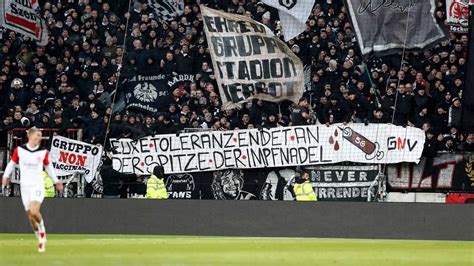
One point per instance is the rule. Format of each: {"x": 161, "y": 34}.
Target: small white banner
{"x": 71, "y": 156}
{"x": 24, "y": 16}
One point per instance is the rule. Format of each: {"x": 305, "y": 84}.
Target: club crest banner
{"x": 457, "y": 15}
{"x": 276, "y": 147}
{"x": 250, "y": 62}
{"x": 71, "y": 156}
{"x": 147, "y": 93}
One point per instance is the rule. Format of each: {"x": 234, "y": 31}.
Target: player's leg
{"x": 36, "y": 199}
{"x": 37, "y": 224}
{"x": 32, "y": 212}
{"x": 26, "y": 193}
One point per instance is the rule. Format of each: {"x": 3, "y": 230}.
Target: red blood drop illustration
{"x": 331, "y": 140}
{"x": 151, "y": 145}
{"x": 142, "y": 163}
{"x": 244, "y": 157}
{"x": 336, "y": 146}
{"x": 234, "y": 139}
{"x": 336, "y": 133}
{"x": 292, "y": 137}
{"x": 210, "y": 160}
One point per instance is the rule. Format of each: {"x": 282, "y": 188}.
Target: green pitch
{"x": 90, "y": 250}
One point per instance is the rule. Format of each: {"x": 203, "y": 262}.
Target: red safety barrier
{"x": 17, "y": 137}
{"x": 460, "y": 198}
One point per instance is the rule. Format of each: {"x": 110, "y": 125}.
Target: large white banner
{"x": 23, "y": 16}
{"x": 276, "y": 147}
{"x": 250, "y": 61}
{"x": 71, "y": 156}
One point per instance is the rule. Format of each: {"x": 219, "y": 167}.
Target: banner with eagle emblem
{"x": 147, "y": 93}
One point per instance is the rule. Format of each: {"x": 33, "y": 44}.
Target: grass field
{"x": 90, "y": 250}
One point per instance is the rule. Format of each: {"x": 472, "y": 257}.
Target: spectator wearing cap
{"x": 300, "y": 113}
{"x": 439, "y": 120}
{"x": 166, "y": 126}
{"x": 359, "y": 106}
{"x": 183, "y": 123}
{"x": 455, "y": 114}
{"x": 379, "y": 117}
{"x": 92, "y": 126}
{"x": 335, "y": 111}
{"x": 430, "y": 148}
{"x": 271, "y": 121}
{"x": 449, "y": 144}
{"x": 421, "y": 100}
{"x": 43, "y": 122}
{"x": 404, "y": 106}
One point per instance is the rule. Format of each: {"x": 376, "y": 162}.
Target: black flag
{"x": 149, "y": 94}
{"x": 381, "y": 26}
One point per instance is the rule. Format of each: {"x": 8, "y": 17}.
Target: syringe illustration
{"x": 371, "y": 149}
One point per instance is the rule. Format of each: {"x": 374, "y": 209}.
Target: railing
{"x": 17, "y": 137}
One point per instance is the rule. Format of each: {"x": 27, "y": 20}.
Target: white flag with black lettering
{"x": 293, "y": 15}
{"x": 249, "y": 61}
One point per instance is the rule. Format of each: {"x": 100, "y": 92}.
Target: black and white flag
{"x": 149, "y": 94}
{"x": 385, "y": 27}
{"x": 293, "y": 15}
{"x": 166, "y": 9}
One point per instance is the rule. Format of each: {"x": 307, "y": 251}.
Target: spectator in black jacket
{"x": 114, "y": 182}
{"x": 430, "y": 149}
{"x": 403, "y": 106}
{"x": 337, "y": 110}
{"x": 184, "y": 61}
{"x": 359, "y": 105}
{"x": 93, "y": 126}
{"x": 468, "y": 144}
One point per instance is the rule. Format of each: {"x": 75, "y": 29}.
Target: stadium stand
{"x": 71, "y": 83}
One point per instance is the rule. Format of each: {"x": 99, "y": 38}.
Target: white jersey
{"x": 32, "y": 163}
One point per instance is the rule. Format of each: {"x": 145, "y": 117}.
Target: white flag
{"x": 72, "y": 156}
{"x": 24, "y": 17}
{"x": 293, "y": 15}
{"x": 249, "y": 61}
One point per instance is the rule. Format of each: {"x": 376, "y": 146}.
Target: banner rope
{"x": 118, "y": 74}
{"x": 384, "y": 166}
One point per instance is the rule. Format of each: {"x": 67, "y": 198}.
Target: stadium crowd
{"x": 71, "y": 82}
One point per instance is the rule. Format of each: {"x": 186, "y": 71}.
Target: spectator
{"x": 300, "y": 113}
{"x": 468, "y": 144}
{"x": 114, "y": 182}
